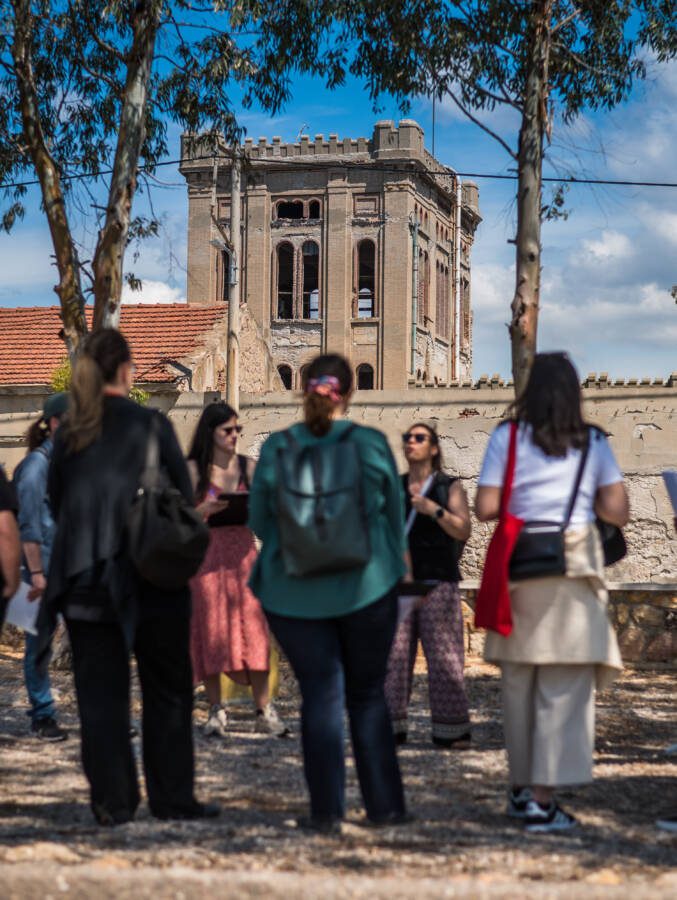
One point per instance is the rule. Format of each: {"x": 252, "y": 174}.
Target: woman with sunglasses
{"x": 229, "y": 633}
{"x": 439, "y": 519}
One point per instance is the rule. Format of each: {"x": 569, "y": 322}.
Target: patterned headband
{"x": 325, "y": 386}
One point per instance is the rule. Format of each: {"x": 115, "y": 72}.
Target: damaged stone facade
{"x": 344, "y": 244}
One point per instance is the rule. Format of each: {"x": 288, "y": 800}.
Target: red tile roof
{"x": 31, "y": 349}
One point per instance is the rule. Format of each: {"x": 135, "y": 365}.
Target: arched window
{"x": 302, "y": 376}
{"x": 285, "y": 374}
{"x": 314, "y": 209}
{"x": 285, "y": 281}
{"x": 225, "y": 276}
{"x": 365, "y": 377}
{"x": 310, "y": 253}
{"x": 366, "y": 279}
{"x": 290, "y": 209}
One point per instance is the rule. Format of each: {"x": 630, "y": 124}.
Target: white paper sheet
{"x": 670, "y": 479}
{"x": 412, "y": 514}
{"x": 23, "y": 612}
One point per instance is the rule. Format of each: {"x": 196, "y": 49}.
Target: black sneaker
{"x": 517, "y": 802}
{"x": 47, "y": 729}
{"x": 319, "y": 824}
{"x": 544, "y": 819}
{"x": 389, "y": 820}
{"x": 188, "y": 813}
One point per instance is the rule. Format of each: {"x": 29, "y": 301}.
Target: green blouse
{"x": 336, "y": 594}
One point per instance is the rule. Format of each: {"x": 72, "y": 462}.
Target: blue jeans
{"x": 344, "y": 660}
{"x": 38, "y": 686}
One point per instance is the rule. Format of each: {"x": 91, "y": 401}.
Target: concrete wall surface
{"x": 639, "y": 418}
{"x": 641, "y": 421}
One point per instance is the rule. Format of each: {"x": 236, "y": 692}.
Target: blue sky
{"x": 607, "y": 271}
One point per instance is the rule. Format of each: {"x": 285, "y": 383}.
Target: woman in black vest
{"x": 438, "y": 523}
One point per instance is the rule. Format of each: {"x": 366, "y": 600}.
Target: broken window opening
{"x": 225, "y": 276}
{"x": 285, "y": 374}
{"x": 365, "y": 377}
{"x": 366, "y": 280}
{"x": 285, "y": 281}
{"x": 311, "y": 280}
{"x": 290, "y": 209}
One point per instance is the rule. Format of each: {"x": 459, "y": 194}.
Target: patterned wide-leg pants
{"x": 438, "y": 623}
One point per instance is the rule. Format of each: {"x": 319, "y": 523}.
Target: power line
{"x": 374, "y": 166}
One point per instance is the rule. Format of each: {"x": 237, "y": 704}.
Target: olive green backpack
{"x": 320, "y": 506}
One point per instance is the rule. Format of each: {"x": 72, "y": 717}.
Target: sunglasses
{"x": 414, "y": 436}
{"x": 233, "y": 428}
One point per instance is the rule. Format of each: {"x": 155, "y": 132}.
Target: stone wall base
{"x": 644, "y": 616}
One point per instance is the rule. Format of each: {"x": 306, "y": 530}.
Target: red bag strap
{"x": 509, "y": 470}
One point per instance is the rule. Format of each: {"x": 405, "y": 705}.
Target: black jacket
{"x": 90, "y": 492}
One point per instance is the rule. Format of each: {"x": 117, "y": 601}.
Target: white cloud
{"x": 611, "y": 245}
{"x": 153, "y": 292}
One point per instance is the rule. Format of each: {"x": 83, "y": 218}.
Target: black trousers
{"x": 102, "y": 679}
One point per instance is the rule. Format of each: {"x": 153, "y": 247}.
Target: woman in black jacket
{"x": 99, "y": 453}
{"x": 438, "y": 524}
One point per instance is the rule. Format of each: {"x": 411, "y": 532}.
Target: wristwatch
{"x": 439, "y": 513}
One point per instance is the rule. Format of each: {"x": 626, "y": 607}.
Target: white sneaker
{"x": 269, "y": 722}
{"x": 667, "y": 823}
{"x": 518, "y": 802}
{"x": 543, "y": 819}
{"x": 217, "y": 723}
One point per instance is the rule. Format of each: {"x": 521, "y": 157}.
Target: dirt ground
{"x": 461, "y": 844}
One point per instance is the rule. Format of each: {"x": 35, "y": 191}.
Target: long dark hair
{"x": 202, "y": 446}
{"x": 318, "y": 409}
{"x": 437, "y": 461}
{"x": 103, "y": 353}
{"x": 551, "y": 404}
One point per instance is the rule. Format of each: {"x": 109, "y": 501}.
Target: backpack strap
{"x": 579, "y": 476}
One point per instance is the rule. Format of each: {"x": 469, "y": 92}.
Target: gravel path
{"x": 460, "y": 846}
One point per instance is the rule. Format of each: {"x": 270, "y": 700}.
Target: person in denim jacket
{"x": 36, "y": 528}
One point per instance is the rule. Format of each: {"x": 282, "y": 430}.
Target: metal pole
{"x": 434, "y": 98}
{"x": 457, "y": 282}
{"x": 413, "y": 227}
{"x": 233, "y": 342}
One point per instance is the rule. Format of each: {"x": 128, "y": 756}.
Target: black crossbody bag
{"x": 539, "y": 551}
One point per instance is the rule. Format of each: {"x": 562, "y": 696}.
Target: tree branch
{"x": 69, "y": 288}
{"x": 481, "y": 125}
{"x": 565, "y": 21}
{"x": 109, "y": 255}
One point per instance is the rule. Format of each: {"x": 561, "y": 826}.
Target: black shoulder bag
{"x": 167, "y": 536}
{"x": 539, "y": 551}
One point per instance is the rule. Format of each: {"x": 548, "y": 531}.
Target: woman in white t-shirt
{"x": 562, "y": 645}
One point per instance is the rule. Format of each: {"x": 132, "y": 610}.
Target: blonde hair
{"x": 97, "y": 365}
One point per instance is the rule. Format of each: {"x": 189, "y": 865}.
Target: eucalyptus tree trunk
{"x": 69, "y": 288}
{"x": 524, "y": 322}
{"x": 110, "y": 249}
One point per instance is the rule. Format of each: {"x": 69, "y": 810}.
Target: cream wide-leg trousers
{"x": 549, "y": 722}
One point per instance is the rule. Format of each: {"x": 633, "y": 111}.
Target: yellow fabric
{"x": 563, "y": 619}
{"x": 230, "y": 690}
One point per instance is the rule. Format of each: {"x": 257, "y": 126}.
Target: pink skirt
{"x": 229, "y": 632}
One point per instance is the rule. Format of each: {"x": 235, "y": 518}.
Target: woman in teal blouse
{"x": 336, "y": 628}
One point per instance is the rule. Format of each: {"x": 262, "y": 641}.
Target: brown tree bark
{"x": 69, "y": 288}
{"x": 524, "y": 323}
{"x": 112, "y": 242}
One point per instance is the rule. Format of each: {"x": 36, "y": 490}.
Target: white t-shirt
{"x": 543, "y": 484}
